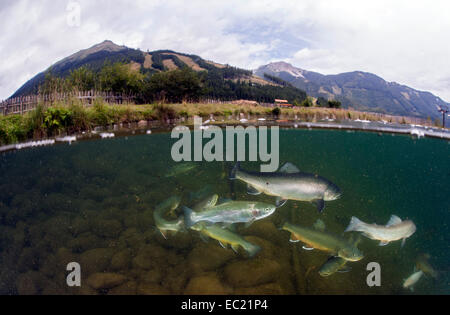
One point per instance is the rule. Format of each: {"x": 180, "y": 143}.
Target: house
{"x": 282, "y": 103}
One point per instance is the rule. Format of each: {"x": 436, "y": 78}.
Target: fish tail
{"x": 234, "y": 170}
{"x": 188, "y": 217}
{"x": 252, "y": 249}
{"x": 354, "y": 224}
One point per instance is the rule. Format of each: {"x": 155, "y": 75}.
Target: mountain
{"x": 146, "y": 62}
{"x": 359, "y": 90}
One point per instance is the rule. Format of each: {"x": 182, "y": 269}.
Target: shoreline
{"x": 152, "y": 127}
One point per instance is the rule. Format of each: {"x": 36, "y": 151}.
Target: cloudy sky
{"x": 402, "y": 41}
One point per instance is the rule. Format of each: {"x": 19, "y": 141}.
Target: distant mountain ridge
{"x": 359, "y": 90}
{"x": 155, "y": 61}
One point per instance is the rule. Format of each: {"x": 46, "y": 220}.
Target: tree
{"x": 53, "y": 84}
{"x": 322, "y": 102}
{"x": 175, "y": 86}
{"x": 120, "y": 78}
{"x": 306, "y": 102}
{"x": 334, "y": 104}
{"x": 82, "y": 79}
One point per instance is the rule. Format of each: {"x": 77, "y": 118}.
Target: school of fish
{"x": 216, "y": 218}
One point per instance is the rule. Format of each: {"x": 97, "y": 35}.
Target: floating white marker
{"x": 149, "y": 132}
{"x": 261, "y": 119}
{"x": 107, "y": 135}
{"x": 67, "y": 139}
{"x": 34, "y": 144}
{"x": 418, "y": 133}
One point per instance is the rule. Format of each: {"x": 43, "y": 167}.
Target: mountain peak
{"x": 106, "y": 45}
{"x": 282, "y": 66}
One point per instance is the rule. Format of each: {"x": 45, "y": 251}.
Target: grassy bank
{"x": 67, "y": 118}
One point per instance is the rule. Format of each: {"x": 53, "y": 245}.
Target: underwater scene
{"x": 139, "y": 223}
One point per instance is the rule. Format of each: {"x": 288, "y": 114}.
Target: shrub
{"x": 57, "y": 119}
{"x": 276, "y": 111}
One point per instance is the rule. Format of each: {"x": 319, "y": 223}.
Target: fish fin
{"x": 353, "y": 225}
{"x": 252, "y": 249}
{"x": 235, "y": 248}
{"x": 252, "y": 190}
{"x": 403, "y": 242}
{"x": 307, "y": 248}
{"x": 294, "y": 239}
{"x": 234, "y": 170}
{"x": 163, "y": 233}
{"x": 289, "y": 168}
{"x": 394, "y": 220}
{"x": 221, "y": 244}
{"x": 383, "y": 243}
{"x": 279, "y": 202}
{"x": 214, "y": 198}
{"x": 188, "y": 217}
{"x": 204, "y": 238}
{"x": 345, "y": 269}
{"x": 320, "y": 204}
{"x": 356, "y": 241}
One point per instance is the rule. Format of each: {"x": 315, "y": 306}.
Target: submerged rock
{"x": 99, "y": 281}
{"x": 107, "y": 228}
{"x": 151, "y": 289}
{"x": 149, "y": 256}
{"x": 153, "y": 276}
{"x": 252, "y": 272}
{"x": 26, "y": 285}
{"x": 121, "y": 260}
{"x": 85, "y": 242}
{"x": 128, "y": 288}
{"x": 95, "y": 260}
{"x": 273, "y": 288}
{"x": 208, "y": 284}
{"x": 208, "y": 257}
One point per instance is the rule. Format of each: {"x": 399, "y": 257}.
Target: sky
{"x": 402, "y": 41}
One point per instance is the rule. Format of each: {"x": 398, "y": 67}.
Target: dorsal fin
{"x": 289, "y": 168}
{"x": 394, "y": 220}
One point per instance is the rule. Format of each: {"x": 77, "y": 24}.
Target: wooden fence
{"x": 23, "y": 104}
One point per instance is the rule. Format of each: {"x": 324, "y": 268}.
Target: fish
{"x": 206, "y": 203}
{"x": 394, "y": 230}
{"x": 333, "y": 265}
{"x": 159, "y": 213}
{"x": 226, "y": 237}
{"x": 181, "y": 169}
{"x": 423, "y": 264}
{"x": 409, "y": 282}
{"x": 325, "y": 241}
{"x": 201, "y": 193}
{"x": 289, "y": 184}
{"x": 230, "y": 212}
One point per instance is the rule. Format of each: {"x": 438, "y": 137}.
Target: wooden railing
{"x": 23, "y": 104}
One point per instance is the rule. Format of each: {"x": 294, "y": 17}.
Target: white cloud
{"x": 403, "y": 41}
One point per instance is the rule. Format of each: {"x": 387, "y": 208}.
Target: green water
{"x": 92, "y": 202}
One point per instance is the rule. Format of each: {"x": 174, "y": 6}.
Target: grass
{"x": 72, "y": 116}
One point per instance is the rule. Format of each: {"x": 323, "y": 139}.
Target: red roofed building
{"x": 282, "y": 103}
